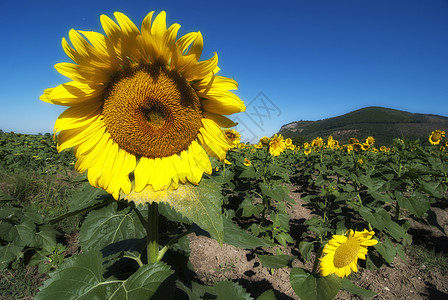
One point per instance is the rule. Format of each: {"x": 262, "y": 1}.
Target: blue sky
{"x": 293, "y": 60}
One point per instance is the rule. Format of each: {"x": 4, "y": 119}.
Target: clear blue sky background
{"x": 312, "y": 59}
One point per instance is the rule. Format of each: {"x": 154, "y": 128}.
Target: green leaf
{"x": 107, "y": 225}
{"x": 378, "y": 218}
{"x": 418, "y": 204}
{"x": 233, "y": 235}
{"x": 279, "y": 193}
{"x": 86, "y": 197}
{"x": 305, "y": 249}
{"x": 308, "y": 287}
{"x": 46, "y": 237}
{"x": 228, "y": 290}
{"x": 268, "y": 295}
{"x": 387, "y": 250}
{"x": 9, "y": 253}
{"x": 81, "y": 277}
{"x": 248, "y": 172}
{"x": 349, "y": 286}
{"x": 171, "y": 214}
{"x": 398, "y": 232}
{"x": 23, "y": 234}
{"x": 202, "y": 205}
{"x": 432, "y": 188}
{"x": 249, "y": 209}
{"x": 276, "y": 261}
{"x": 380, "y": 197}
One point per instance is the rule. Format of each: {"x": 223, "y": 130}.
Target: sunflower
{"x": 317, "y": 142}
{"x": 307, "y": 151}
{"x": 264, "y": 141}
{"x": 259, "y": 145}
{"x": 436, "y": 137}
{"x": 342, "y": 252}
{"x": 288, "y": 142}
{"x": 142, "y": 106}
{"x": 247, "y": 162}
{"x": 383, "y": 148}
{"x": 353, "y": 141}
{"x": 365, "y": 146}
{"x": 350, "y": 148}
{"x": 233, "y": 136}
{"x": 277, "y": 145}
{"x": 370, "y": 140}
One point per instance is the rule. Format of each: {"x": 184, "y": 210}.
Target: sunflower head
{"x": 343, "y": 251}
{"x": 317, "y": 142}
{"x": 142, "y": 105}
{"x": 436, "y": 137}
{"x": 353, "y": 141}
{"x": 247, "y": 162}
{"x": 365, "y": 146}
{"x": 264, "y": 141}
{"x": 277, "y": 145}
{"x": 233, "y": 136}
{"x": 370, "y": 140}
{"x": 288, "y": 142}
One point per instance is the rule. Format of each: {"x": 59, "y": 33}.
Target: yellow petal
{"x": 201, "y": 69}
{"x": 219, "y": 119}
{"x": 196, "y": 48}
{"x": 158, "y": 27}
{"x": 73, "y": 93}
{"x": 78, "y": 116}
{"x": 83, "y": 74}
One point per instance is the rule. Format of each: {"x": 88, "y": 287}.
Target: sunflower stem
{"x": 316, "y": 261}
{"x": 152, "y": 231}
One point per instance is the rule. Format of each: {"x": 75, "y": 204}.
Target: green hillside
{"x": 384, "y": 124}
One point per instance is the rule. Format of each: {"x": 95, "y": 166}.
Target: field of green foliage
{"x": 244, "y": 202}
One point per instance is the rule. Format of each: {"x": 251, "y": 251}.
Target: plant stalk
{"x": 152, "y": 231}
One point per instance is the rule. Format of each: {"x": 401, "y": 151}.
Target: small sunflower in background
{"x": 353, "y": 141}
{"x": 436, "y": 137}
{"x": 142, "y": 105}
{"x": 370, "y": 140}
{"x": 288, "y": 142}
{"x": 317, "y": 142}
{"x": 259, "y": 146}
{"x": 365, "y": 146}
{"x": 277, "y": 145}
{"x": 247, "y": 162}
{"x": 350, "y": 148}
{"x": 264, "y": 141}
{"x": 233, "y": 136}
{"x": 307, "y": 151}
{"x": 343, "y": 251}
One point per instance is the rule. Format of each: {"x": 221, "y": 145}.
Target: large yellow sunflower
{"x": 142, "y": 106}
{"x": 436, "y": 137}
{"x": 342, "y": 252}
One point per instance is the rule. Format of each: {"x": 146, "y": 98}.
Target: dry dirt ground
{"x": 401, "y": 280}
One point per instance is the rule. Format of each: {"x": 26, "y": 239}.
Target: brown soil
{"x": 400, "y": 280}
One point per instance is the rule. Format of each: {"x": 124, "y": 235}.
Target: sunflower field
{"x": 362, "y": 198}
{"x": 146, "y": 128}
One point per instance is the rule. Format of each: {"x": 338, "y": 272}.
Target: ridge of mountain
{"x": 384, "y": 124}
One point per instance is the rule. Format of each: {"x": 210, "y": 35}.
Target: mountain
{"x": 384, "y": 124}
